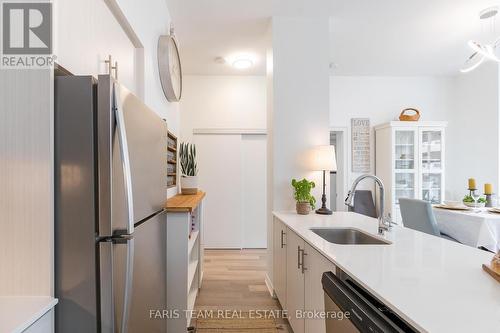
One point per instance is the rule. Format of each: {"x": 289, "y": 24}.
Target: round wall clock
{"x": 169, "y": 64}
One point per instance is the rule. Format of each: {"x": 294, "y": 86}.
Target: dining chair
{"x": 363, "y": 203}
{"x": 418, "y": 215}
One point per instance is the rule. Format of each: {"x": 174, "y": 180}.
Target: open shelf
{"x": 184, "y": 255}
{"x": 171, "y": 160}
{"x": 192, "y": 241}
{"x": 192, "y": 268}
{"x": 192, "y": 298}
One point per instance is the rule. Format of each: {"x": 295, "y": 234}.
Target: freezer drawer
{"x": 133, "y": 275}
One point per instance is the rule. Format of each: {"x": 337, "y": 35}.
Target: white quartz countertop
{"x": 434, "y": 284}
{"x": 17, "y": 313}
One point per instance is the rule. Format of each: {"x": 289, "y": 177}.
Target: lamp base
{"x": 323, "y": 211}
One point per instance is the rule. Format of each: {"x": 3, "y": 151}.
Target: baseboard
{"x": 269, "y": 285}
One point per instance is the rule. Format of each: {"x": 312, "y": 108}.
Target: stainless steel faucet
{"x": 384, "y": 223}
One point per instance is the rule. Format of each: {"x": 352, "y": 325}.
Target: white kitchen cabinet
{"x": 295, "y": 280}
{"x": 298, "y": 269}
{"x": 410, "y": 160}
{"x": 89, "y": 32}
{"x": 279, "y": 259}
{"x": 315, "y": 265}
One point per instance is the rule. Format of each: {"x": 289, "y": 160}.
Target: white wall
{"x": 473, "y": 133}
{"x": 382, "y": 98}
{"x": 298, "y": 108}
{"x": 223, "y": 102}
{"x": 300, "y": 103}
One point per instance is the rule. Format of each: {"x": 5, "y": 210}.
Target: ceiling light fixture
{"x": 220, "y": 60}
{"x": 488, "y": 12}
{"x": 487, "y": 50}
{"x": 242, "y": 63}
{"x": 473, "y": 62}
{"x": 483, "y": 52}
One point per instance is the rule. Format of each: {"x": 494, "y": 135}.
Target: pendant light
{"x": 482, "y": 51}
{"x": 473, "y": 62}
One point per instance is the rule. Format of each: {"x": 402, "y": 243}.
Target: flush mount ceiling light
{"x": 484, "y": 51}
{"x": 242, "y": 63}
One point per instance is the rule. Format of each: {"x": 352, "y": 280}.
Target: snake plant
{"x": 187, "y": 155}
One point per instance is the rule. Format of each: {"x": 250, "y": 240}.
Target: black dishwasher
{"x": 361, "y": 311}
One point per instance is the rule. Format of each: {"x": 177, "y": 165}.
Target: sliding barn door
{"x": 254, "y": 191}
{"x": 219, "y": 164}
{"x": 232, "y": 170}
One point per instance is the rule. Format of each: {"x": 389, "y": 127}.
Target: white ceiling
{"x": 383, "y": 37}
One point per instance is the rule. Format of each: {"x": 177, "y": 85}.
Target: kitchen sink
{"x": 348, "y": 236}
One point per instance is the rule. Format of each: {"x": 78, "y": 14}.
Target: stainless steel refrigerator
{"x": 110, "y": 225}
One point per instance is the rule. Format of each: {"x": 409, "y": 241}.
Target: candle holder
{"x": 472, "y": 190}
{"x": 489, "y": 202}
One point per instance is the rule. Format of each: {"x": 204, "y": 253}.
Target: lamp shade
{"x": 323, "y": 158}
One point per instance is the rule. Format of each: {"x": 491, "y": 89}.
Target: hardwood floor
{"x": 234, "y": 280}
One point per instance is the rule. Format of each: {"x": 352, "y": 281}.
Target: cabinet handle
{"x": 109, "y": 62}
{"x": 298, "y": 257}
{"x": 282, "y": 239}
{"x": 303, "y": 267}
{"x": 116, "y": 70}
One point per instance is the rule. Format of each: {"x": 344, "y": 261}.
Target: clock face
{"x": 170, "y": 68}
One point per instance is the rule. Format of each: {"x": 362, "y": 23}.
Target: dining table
{"x": 477, "y": 227}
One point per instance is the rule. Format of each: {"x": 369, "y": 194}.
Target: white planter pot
{"x": 189, "y": 184}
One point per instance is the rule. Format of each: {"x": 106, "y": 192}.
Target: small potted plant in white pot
{"x": 303, "y": 197}
{"x": 189, "y": 168}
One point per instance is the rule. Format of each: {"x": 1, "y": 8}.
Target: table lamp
{"x": 324, "y": 160}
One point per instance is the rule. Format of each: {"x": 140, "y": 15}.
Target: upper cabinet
{"x": 410, "y": 161}
{"x": 88, "y": 33}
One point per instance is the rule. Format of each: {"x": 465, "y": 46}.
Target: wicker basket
{"x": 409, "y": 117}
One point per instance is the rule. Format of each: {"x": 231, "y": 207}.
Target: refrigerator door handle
{"x": 127, "y": 175}
{"x": 127, "y": 290}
